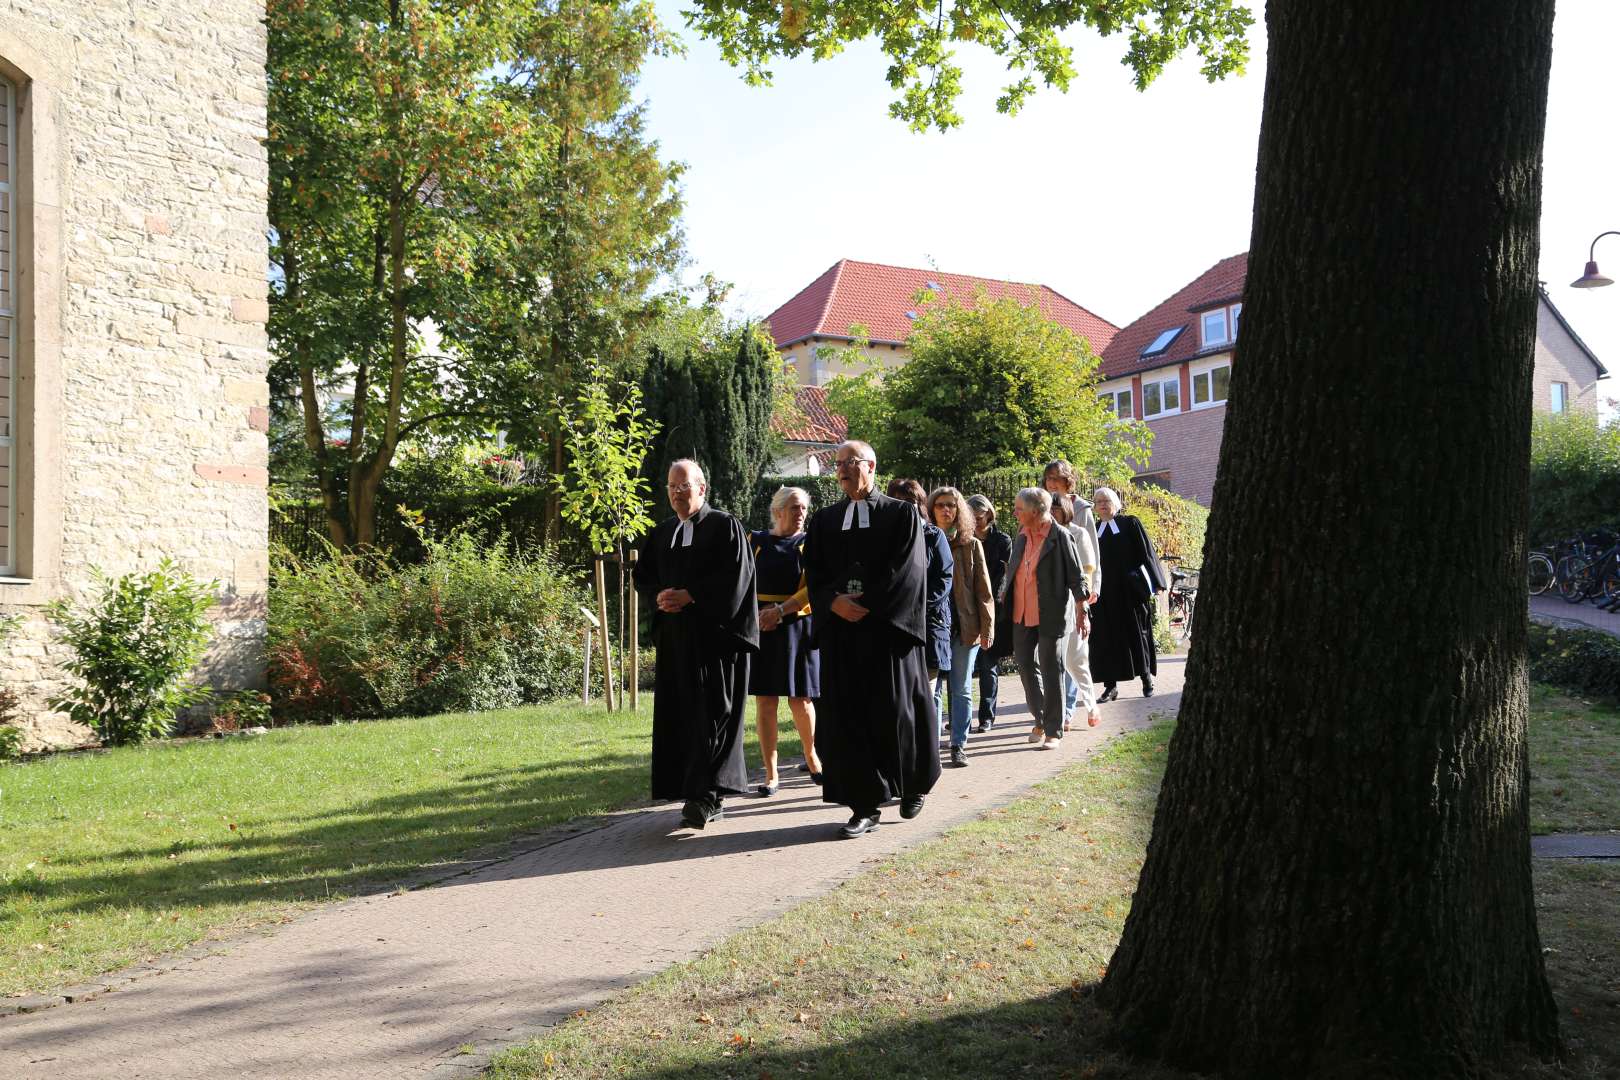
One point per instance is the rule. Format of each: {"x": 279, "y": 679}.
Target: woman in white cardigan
{"x": 1077, "y": 645}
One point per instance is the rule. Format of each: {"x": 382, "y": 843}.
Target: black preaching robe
{"x": 875, "y": 720}
{"x": 701, "y": 678}
{"x": 1121, "y": 625}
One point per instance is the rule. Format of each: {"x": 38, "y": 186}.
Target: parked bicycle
{"x": 1592, "y": 568}
{"x": 1183, "y": 597}
{"x": 1542, "y": 574}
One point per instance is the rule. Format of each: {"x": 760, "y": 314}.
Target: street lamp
{"x": 1592, "y": 279}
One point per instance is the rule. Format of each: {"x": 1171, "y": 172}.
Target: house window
{"x": 1209, "y": 386}
{"x": 1560, "y": 396}
{"x": 1161, "y": 397}
{"x": 1237, "y": 310}
{"x": 1214, "y": 323}
{"x": 1160, "y": 480}
{"x": 1118, "y": 402}
{"x": 1159, "y": 345}
{"x": 8, "y": 326}
{"x": 818, "y": 367}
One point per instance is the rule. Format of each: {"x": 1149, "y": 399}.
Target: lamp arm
{"x": 1591, "y": 254}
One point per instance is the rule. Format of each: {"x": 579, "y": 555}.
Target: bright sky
{"x": 1112, "y": 197}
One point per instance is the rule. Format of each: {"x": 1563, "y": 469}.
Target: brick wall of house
{"x": 1187, "y": 446}
{"x": 1560, "y": 359}
{"x": 148, "y": 354}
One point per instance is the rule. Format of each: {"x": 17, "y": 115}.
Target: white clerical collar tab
{"x": 860, "y": 519}
{"x": 1109, "y": 526}
{"x": 683, "y": 534}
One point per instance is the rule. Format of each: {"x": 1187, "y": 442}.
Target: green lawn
{"x": 109, "y": 858}
{"x": 963, "y": 959}
{"x": 1574, "y": 764}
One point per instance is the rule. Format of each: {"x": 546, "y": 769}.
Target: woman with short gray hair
{"x": 787, "y": 665}
{"x": 1041, "y": 598}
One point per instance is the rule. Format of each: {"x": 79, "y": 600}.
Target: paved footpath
{"x": 392, "y": 985}
{"x": 1551, "y": 608}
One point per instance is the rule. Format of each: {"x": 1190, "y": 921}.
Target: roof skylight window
{"x": 1161, "y": 343}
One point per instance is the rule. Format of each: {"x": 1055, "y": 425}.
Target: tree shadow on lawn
{"x": 343, "y": 850}
{"x": 1057, "y": 1035}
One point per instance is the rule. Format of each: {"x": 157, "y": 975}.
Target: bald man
{"x": 696, "y": 572}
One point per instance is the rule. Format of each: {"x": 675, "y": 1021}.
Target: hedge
{"x": 1579, "y": 661}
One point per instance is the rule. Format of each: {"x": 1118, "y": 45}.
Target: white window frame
{"x": 1559, "y": 398}
{"x": 1207, "y": 371}
{"x": 1116, "y": 393}
{"x": 1175, "y": 378}
{"x": 1203, "y": 328}
{"x": 8, "y": 263}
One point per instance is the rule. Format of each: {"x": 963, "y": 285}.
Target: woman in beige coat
{"x": 972, "y": 607}
{"x": 1077, "y": 644}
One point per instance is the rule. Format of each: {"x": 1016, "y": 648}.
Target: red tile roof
{"x": 1221, "y": 283}
{"x": 815, "y": 422}
{"x": 878, "y": 297}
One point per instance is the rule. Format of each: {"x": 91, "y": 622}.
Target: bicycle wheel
{"x": 1610, "y": 584}
{"x": 1186, "y": 618}
{"x": 1575, "y": 578}
{"x": 1541, "y": 573}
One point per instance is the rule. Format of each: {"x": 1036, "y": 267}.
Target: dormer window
{"x": 1220, "y": 326}
{"x": 1161, "y": 344}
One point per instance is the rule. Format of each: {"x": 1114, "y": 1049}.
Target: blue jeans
{"x": 961, "y": 700}
{"x": 1071, "y": 695}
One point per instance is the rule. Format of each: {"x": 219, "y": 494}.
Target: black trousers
{"x": 989, "y": 683}
{"x": 1040, "y": 667}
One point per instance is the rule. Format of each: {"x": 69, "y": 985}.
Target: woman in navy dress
{"x": 787, "y": 665}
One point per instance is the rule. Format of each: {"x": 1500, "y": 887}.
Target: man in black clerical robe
{"x": 696, "y": 572}
{"x": 867, "y": 573}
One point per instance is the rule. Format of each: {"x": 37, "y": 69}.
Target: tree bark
{"x": 1338, "y": 882}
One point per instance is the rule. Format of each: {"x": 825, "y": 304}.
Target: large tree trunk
{"x": 1338, "y": 882}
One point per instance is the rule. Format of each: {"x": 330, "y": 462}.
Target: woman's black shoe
{"x": 767, "y": 790}
{"x": 1110, "y": 692}
{"x": 815, "y": 778}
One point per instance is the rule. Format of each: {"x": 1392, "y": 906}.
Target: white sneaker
{"x": 1036, "y": 734}
{"x": 1051, "y": 744}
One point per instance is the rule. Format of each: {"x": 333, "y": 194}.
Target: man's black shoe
{"x": 694, "y": 815}
{"x": 984, "y": 726}
{"x": 910, "y": 808}
{"x": 714, "y": 811}
{"x": 1110, "y": 692}
{"x": 958, "y": 758}
{"x": 1147, "y": 686}
{"x": 859, "y": 825}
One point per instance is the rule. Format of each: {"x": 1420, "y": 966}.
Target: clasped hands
{"x": 673, "y": 600}
{"x": 847, "y": 607}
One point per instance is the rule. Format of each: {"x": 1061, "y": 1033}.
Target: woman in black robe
{"x": 1122, "y": 617}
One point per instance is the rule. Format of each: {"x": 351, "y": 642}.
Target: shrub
{"x": 134, "y": 649}
{"x": 1580, "y": 661}
{"x": 10, "y": 734}
{"x": 471, "y": 627}
{"x": 242, "y": 710}
{"x": 1574, "y": 476}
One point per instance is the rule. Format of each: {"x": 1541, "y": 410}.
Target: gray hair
{"x": 1111, "y": 495}
{"x": 863, "y": 450}
{"x": 783, "y": 494}
{"x": 1036, "y": 499}
{"x": 982, "y": 508}
{"x": 688, "y": 463}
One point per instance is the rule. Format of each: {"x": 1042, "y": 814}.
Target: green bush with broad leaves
{"x": 10, "y": 733}
{"x": 134, "y": 648}
{"x": 1579, "y": 661}
{"x": 1574, "y": 475}
{"x": 470, "y": 627}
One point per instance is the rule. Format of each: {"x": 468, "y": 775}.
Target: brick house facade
{"x": 1170, "y": 368}
{"x": 133, "y": 261}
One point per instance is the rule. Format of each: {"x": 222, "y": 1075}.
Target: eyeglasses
{"x": 681, "y": 489}
{"x": 854, "y": 462}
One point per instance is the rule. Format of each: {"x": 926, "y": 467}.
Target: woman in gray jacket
{"x": 1042, "y": 596}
